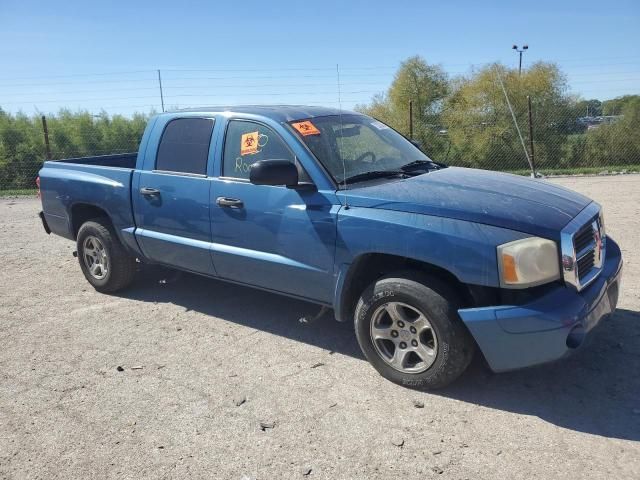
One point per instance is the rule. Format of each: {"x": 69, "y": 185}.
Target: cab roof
{"x": 278, "y": 113}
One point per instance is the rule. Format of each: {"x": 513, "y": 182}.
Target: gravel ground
{"x": 182, "y": 376}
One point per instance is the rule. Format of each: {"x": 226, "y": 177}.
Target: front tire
{"x": 104, "y": 262}
{"x": 408, "y": 328}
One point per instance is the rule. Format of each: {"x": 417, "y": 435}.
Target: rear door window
{"x": 184, "y": 147}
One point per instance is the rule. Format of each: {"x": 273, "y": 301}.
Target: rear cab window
{"x": 184, "y": 146}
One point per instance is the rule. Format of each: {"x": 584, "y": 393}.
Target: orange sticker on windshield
{"x": 306, "y": 128}
{"x": 249, "y": 143}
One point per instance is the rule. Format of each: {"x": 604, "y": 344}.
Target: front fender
{"x": 465, "y": 249}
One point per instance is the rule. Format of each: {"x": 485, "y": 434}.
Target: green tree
{"x": 617, "y": 143}
{"x": 588, "y": 108}
{"x": 427, "y": 87}
{"x": 71, "y": 134}
{"x": 615, "y": 106}
{"x": 481, "y": 128}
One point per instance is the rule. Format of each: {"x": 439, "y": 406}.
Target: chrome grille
{"x": 584, "y": 243}
{"x": 585, "y": 264}
{"x": 584, "y": 238}
{"x": 583, "y": 247}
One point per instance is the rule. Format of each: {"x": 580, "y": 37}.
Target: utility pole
{"x": 47, "y": 146}
{"x": 410, "y": 119}
{"x": 161, "y": 95}
{"x": 524, "y": 47}
{"x": 533, "y": 158}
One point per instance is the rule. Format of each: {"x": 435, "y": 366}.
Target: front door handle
{"x": 149, "y": 192}
{"x": 229, "y": 202}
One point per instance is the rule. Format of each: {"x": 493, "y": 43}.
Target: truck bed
{"x": 101, "y": 182}
{"x": 120, "y": 160}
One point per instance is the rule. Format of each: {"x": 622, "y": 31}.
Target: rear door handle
{"x": 149, "y": 192}
{"x": 229, "y": 202}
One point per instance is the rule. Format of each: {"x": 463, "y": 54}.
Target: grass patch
{"x": 581, "y": 170}
{"x": 18, "y": 192}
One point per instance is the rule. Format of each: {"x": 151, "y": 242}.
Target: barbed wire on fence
{"x": 563, "y": 138}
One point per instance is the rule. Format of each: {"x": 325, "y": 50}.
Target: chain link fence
{"x": 552, "y": 143}
{"x": 556, "y": 136}
{"x": 24, "y": 145}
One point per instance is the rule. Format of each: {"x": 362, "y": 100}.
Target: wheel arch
{"x": 83, "y": 212}
{"x": 368, "y": 267}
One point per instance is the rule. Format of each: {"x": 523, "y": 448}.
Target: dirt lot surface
{"x": 173, "y": 378}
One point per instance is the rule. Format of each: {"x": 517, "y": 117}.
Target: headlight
{"x": 528, "y": 262}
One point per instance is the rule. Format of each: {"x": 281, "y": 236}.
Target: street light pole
{"x": 520, "y": 64}
{"x": 524, "y": 47}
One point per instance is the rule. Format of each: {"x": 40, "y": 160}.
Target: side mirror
{"x": 274, "y": 172}
{"x": 416, "y": 144}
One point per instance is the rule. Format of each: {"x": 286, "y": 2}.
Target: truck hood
{"x": 499, "y": 199}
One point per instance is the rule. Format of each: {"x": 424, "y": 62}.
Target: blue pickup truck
{"x": 334, "y": 207}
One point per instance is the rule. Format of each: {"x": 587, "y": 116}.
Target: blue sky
{"x": 94, "y": 55}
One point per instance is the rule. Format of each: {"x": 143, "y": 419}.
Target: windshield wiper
{"x": 373, "y": 174}
{"x": 420, "y": 163}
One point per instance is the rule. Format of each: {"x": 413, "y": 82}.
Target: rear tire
{"x": 408, "y": 328}
{"x": 104, "y": 262}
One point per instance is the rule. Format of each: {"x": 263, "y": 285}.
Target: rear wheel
{"x": 103, "y": 260}
{"x": 408, "y": 328}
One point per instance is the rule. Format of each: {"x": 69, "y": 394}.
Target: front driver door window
{"x": 249, "y": 142}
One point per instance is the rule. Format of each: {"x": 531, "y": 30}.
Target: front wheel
{"x": 408, "y": 328}
{"x": 103, "y": 260}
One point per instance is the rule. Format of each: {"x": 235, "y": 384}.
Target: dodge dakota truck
{"x": 430, "y": 262}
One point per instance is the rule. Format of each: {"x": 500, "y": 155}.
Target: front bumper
{"x": 548, "y": 328}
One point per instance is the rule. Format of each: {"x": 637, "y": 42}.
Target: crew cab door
{"x": 171, "y": 195}
{"x": 272, "y": 237}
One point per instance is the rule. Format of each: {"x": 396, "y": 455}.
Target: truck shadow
{"x": 245, "y": 306}
{"x": 595, "y": 391}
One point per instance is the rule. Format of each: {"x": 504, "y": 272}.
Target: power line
{"x": 311, "y": 68}
{"x": 240, "y": 92}
{"x": 608, "y": 80}
{"x": 245, "y": 77}
{"x": 260, "y": 94}
{"x": 328, "y": 68}
{"x": 598, "y": 74}
{"x": 79, "y": 75}
{"x": 89, "y": 82}
{"x": 291, "y": 77}
{"x": 173, "y": 87}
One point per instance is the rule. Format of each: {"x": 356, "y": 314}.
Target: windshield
{"x": 362, "y": 143}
